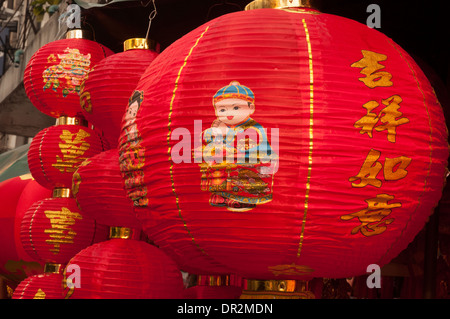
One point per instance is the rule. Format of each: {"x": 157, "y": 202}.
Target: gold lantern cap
{"x": 280, "y": 4}
{"x": 123, "y": 233}
{"x": 61, "y": 192}
{"x": 71, "y": 120}
{"x": 140, "y": 44}
{"x": 50, "y": 268}
{"x": 78, "y": 34}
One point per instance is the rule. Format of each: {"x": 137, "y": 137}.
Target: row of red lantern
{"x": 54, "y": 229}
{"x": 126, "y": 267}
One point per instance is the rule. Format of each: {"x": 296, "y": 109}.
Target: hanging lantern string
{"x": 151, "y": 17}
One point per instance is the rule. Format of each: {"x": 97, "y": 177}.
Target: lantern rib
{"x": 311, "y": 135}
{"x": 168, "y": 139}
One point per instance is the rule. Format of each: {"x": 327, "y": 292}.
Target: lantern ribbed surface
{"x": 15, "y": 263}
{"x": 53, "y": 230}
{"x": 99, "y": 191}
{"x": 108, "y": 87}
{"x": 56, "y": 152}
{"x": 54, "y": 74}
{"x": 126, "y": 269}
{"x": 42, "y": 286}
{"x": 284, "y": 144}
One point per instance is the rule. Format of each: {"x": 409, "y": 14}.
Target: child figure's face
{"x": 234, "y": 111}
{"x": 131, "y": 111}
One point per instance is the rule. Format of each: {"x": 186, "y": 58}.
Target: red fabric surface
{"x": 125, "y": 269}
{"x": 99, "y": 191}
{"x": 108, "y": 87}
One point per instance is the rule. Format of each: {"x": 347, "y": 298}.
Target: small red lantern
{"x": 125, "y": 269}
{"x": 48, "y": 285}
{"x": 57, "y": 151}
{"x": 99, "y": 191}
{"x": 54, "y": 74}
{"x": 284, "y": 144}
{"x": 106, "y": 90}
{"x": 54, "y": 229}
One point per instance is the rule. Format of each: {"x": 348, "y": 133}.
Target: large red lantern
{"x": 106, "y": 90}
{"x": 56, "y": 152}
{"x": 54, "y": 229}
{"x": 99, "y": 191}
{"x": 125, "y": 269}
{"x": 54, "y": 74}
{"x": 15, "y": 263}
{"x": 284, "y": 144}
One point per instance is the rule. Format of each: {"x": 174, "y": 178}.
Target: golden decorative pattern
{"x": 311, "y": 134}
{"x": 168, "y": 138}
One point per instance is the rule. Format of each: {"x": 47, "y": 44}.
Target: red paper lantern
{"x": 337, "y": 146}
{"x": 125, "y": 269}
{"x": 54, "y": 74}
{"x": 42, "y": 286}
{"x": 57, "y": 151}
{"x": 15, "y": 264}
{"x": 108, "y": 87}
{"x": 54, "y": 229}
{"x": 99, "y": 191}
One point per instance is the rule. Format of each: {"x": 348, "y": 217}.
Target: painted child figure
{"x": 238, "y": 162}
{"x": 132, "y": 157}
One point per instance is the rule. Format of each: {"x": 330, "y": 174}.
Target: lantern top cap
{"x": 140, "y": 44}
{"x": 78, "y": 34}
{"x": 50, "y": 268}
{"x": 279, "y": 4}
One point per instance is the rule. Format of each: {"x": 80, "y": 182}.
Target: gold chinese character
{"x": 85, "y": 99}
{"x": 400, "y": 172}
{"x": 393, "y": 169}
{"x": 370, "y": 68}
{"x": 61, "y": 232}
{"x": 372, "y": 218}
{"x": 369, "y": 171}
{"x": 72, "y": 148}
{"x": 389, "y": 116}
{"x": 368, "y": 121}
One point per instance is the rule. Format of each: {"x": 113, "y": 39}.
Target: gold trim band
{"x": 221, "y": 280}
{"x": 120, "y": 232}
{"x": 140, "y": 44}
{"x": 274, "y": 285}
{"x": 52, "y": 268}
{"x": 78, "y": 34}
{"x": 61, "y": 192}
{"x": 311, "y": 135}
{"x": 278, "y": 4}
{"x": 75, "y": 120}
